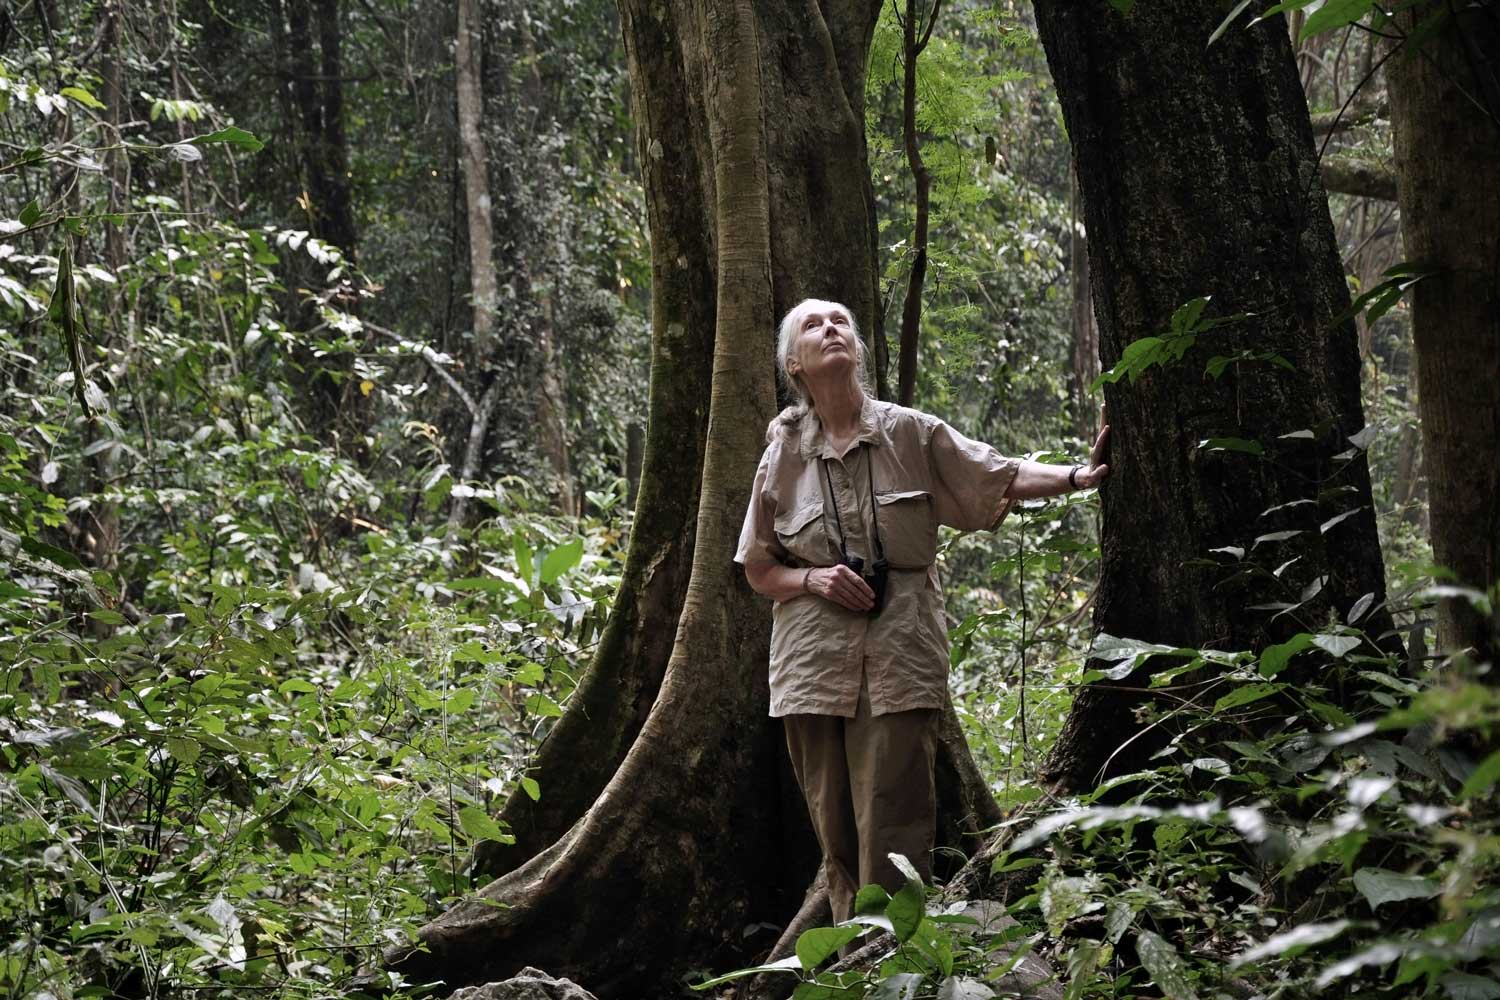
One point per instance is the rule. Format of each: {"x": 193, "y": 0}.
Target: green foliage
{"x": 1187, "y": 323}
{"x": 934, "y": 952}
{"x": 1354, "y": 835}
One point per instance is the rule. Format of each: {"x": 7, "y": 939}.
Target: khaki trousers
{"x": 868, "y": 785}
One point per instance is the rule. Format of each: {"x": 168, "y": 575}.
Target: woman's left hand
{"x": 1097, "y": 470}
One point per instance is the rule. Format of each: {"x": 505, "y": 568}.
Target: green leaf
{"x": 963, "y": 988}
{"x": 184, "y": 749}
{"x": 561, "y": 559}
{"x": 1245, "y": 695}
{"x": 815, "y": 946}
{"x": 485, "y": 584}
{"x": 1275, "y": 658}
{"x": 1084, "y": 960}
{"x": 51, "y": 553}
{"x": 1233, "y": 444}
{"x": 1166, "y": 967}
{"x": 31, "y": 213}
{"x": 1383, "y": 296}
{"x": 1292, "y": 942}
{"x": 1239, "y": 9}
{"x": 82, "y": 97}
{"x": 1185, "y": 318}
{"x": 1334, "y": 14}
{"x": 1065, "y": 898}
{"x": 906, "y": 910}
{"x": 1379, "y": 886}
{"x": 871, "y": 899}
{"x": 1338, "y": 645}
{"x": 1485, "y": 775}
{"x": 296, "y": 685}
{"x": 897, "y": 986}
{"x": 478, "y": 825}
{"x": 525, "y": 561}
{"x": 531, "y": 788}
{"x": 540, "y": 704}
{"x": 789, "y": 964}
{"x": 236, "y": 136}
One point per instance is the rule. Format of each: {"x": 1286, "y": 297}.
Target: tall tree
{"x": 1235, "y": 492}
{"x": 484, "y": 285}
{"x": 914, "y": 38}
{"x": 1445, "y": 109}
{"x": 758, "y": 193}
{"x": 317, "y": 83}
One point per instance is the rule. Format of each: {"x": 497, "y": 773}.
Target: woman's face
{"x": 824, "y": 345}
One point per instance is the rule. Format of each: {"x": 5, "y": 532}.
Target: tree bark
{"x": 1445, "y": 108}
{"x": 551, "y": 397}
{"x": 911, "y": 310}
{"x": 1343, "y": 175}
{"x": 823, "y": 245}
{"x": 318, "y": 91}
{"x": 1085, "y": 330}
{"x": 484, "y": 285}
{"x": 1198, "y": 175}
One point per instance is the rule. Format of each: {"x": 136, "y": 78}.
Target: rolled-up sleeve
{"x": 758, "y": 541}
{"x": 969, "y": 479}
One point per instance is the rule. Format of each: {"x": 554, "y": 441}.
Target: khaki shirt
{"x": 924, "y": 473}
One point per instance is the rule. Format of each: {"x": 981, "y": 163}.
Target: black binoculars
{"x": 876, "y": 578}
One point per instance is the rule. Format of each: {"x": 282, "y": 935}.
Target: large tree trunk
{"x": 1198, "y": 177}
{"x": 751, "y": 132}
{"x": 1445, "y": 108}
{"x": 822, "y": 245}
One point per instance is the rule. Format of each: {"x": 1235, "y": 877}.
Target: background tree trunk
{"x": 911, "y": 310}
{"x": 1198, "y": 177}
{"x": 484, "y": 285}
{"x": 1445, "y": 109}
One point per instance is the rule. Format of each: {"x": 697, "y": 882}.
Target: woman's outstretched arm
{"x": 1037, "y": 479}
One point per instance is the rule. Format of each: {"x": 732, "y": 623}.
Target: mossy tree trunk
{"x": 1198, "y": 176}
{"x": 1445, "y": 108}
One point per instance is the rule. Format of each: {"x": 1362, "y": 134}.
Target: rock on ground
{"x": 528, "y": 984}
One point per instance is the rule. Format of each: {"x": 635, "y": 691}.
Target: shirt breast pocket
{"x": 802, "y": 533}
{"x": 908, "y": 528}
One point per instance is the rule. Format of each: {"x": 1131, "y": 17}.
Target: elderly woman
{"x": 842, "y": 534}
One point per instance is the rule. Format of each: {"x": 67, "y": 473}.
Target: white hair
{"x": 786, "y": 343}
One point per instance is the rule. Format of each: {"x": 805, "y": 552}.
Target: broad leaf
{"x": 1379, "y": 886}
{"x": 235, "y": 136}
{"x": 1167, "y": 969}
{"x": 1292, "y": 942}
{"x": 815, "y": 946}
{"x": 906, "y": 910}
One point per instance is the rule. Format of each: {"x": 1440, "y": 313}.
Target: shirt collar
{"x": 814, "y": 444}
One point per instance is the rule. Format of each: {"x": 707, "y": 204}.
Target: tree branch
{"x": 1344, "y": 175}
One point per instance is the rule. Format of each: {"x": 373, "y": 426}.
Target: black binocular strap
{"x": 874, "y": 512}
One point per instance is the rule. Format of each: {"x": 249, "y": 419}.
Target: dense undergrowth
{"x": 1278, "y": 846}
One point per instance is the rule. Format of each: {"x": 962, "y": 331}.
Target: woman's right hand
{"x": 842, "y": 586}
